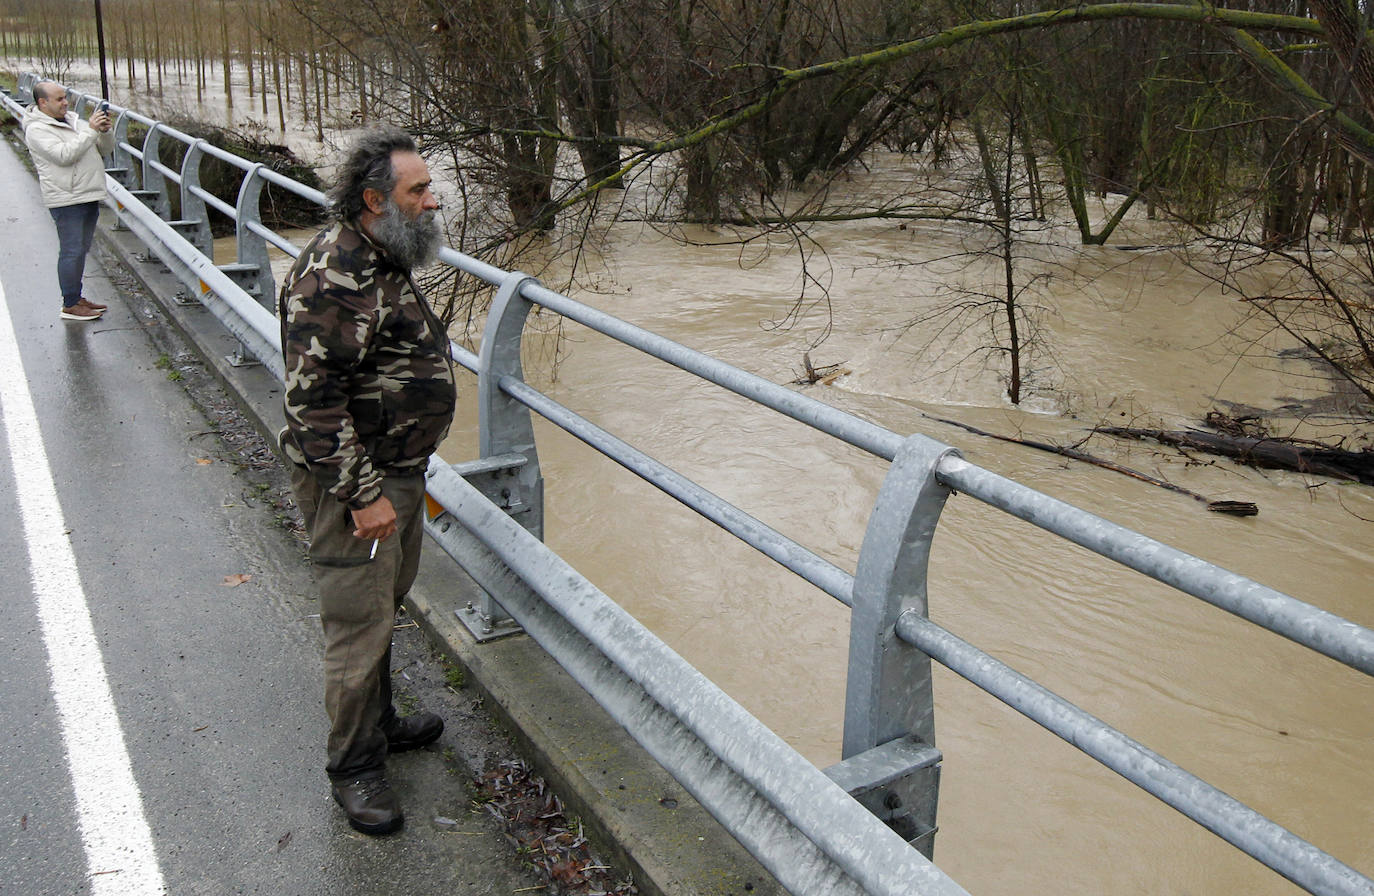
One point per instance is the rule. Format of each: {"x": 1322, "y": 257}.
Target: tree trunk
{"x": 587, "y": 82}
{"x": 1284, "y": 217}
{"x": 129, "y": 52}
{"x": 228, "y": 57}
{"x": 1008, "y": 248}
{"x": 319, "y": 100}
{"x": 1274, "y": 454}
{"x": 143, "y": 48}
{"x": 1349, "y": 38}
{"x": 275, "y": 49}
{"x": 702, "y": 202}
{"x": 990, "y": 178}
{"x": 197, "y": 53}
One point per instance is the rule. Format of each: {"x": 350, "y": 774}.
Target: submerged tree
{"x": 739, "y": 115}
{"x": 991, "y": 303}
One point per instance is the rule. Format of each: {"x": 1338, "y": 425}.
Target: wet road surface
{"x": 177, "y": 745}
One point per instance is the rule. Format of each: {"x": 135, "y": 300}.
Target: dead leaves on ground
{"x": 536, "y": 826}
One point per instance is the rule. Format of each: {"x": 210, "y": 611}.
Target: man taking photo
{"x": 71, "y": 174}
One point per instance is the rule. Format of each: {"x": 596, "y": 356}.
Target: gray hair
{"x": 368, "y": 167}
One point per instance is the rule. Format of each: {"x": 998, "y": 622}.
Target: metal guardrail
{"x": 851, "y": 828}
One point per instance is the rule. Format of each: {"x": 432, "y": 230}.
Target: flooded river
{"x": 1137, "y": 339}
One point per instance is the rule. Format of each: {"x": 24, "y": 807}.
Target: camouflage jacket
{"x": 369, "y": 377}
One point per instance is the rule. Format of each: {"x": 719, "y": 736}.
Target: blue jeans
{"x": 75, "y": 230}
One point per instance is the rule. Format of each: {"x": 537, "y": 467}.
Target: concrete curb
{"x": 636, "y": 813}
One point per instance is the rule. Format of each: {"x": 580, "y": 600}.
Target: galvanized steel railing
{"x": 844, "y": 830}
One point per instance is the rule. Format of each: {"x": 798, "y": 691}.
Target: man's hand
{"x": 376, "y": 520}
{"x": 101, "y": 121}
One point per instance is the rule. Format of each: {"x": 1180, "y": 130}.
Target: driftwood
{"x": 1267, "y": 452}
{"x": 1235, "y": 508}
{"x": 823, "y": 375}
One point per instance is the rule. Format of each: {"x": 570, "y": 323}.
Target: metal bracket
{"x": 244, "y": 276}
{"x": 484, "y": 626}
{"x": 497, "y": 478}
{"x": 240, "y": 357}
{"x": 897, "y": 781}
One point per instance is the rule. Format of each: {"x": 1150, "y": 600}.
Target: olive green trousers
{"x": 360, "y": 591}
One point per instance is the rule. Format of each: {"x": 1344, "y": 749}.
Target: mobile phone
{"x": 104, "y": 106}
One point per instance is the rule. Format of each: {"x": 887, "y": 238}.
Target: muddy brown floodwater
{"x": 1137, "y": 339}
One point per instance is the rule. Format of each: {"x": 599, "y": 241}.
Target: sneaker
{"x": 89, "y": 304}
{"x": 80, "y": 312}
{"x": 371, "y": 805}
{"x": 408, "y": 732}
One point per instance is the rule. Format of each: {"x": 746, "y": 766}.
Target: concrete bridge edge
{"x": 632, "y": 809}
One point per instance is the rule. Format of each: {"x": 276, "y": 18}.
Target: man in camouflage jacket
{"x": 369, "y": 396}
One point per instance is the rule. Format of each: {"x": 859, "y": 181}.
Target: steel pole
{"x": 100, "y": 46}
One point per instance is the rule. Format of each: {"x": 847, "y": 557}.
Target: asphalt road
{"x": 162, "y": 730}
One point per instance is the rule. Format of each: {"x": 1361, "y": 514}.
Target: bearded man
{"x": 369, "y": 396}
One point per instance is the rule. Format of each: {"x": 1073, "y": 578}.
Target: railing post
{"x": 193, "y": 210}
{"x": 890, "y": 762}
{"x": 505, "y": 425}
{"x": 23, "y": 88}
{"x": 507, "y": 473}
{"x": 123, "y": 162}
{"x": 251, "y": 248}
{"x": 153, "y": 181}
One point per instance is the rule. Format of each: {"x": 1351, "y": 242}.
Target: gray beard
{"x": 411, "y": 242}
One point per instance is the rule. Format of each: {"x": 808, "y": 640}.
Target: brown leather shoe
{"x": 408, "y": 732}
{"x": 371, "y": 805}
{"x": 92, "y": 305}
{"x": 80, "y": 312}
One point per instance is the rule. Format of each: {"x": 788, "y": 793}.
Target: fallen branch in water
{"x": 1267, "y": 451}
{"x": 823, "y": 375}
{"x": 1235, "y": 508}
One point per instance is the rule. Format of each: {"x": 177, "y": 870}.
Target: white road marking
{"x": 120, "y": 857}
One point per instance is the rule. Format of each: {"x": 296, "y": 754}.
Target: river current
{"x": 1137, "y": 339}
{"x": 1129, "y": 338}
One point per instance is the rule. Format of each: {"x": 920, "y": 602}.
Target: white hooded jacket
{"x": 67, "y": 154}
